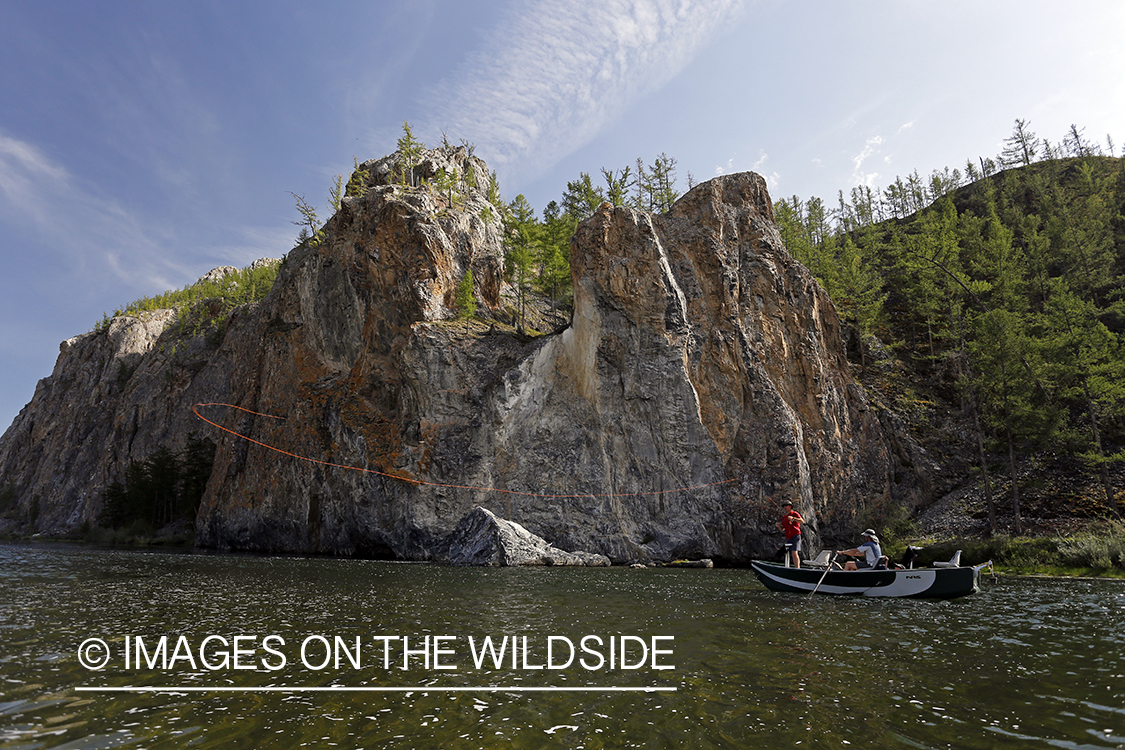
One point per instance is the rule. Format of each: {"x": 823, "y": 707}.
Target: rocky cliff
{"x": 701, "y": 380}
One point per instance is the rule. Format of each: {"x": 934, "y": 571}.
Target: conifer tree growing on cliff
{"x": 520, "y": 229}
{"x": 582, "y": 197}
{"x": 656, "y": 186}
{"x": 443, "y": 183}
{"x": 336, "y": 193}
{"x": 466, "y": 302}
{"x": 309, "y": 223}
{"x": 664, "y": 192}
{"x": 617, "y": 185}
{"x": 410, "y": 154}
{"x": 554, "y": 253}
{"x": 357, "y": 183}
{"x": 494, "y": 196}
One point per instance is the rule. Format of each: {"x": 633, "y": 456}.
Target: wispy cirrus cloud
{"x": 557, "y": 71}
{"x": 870, "y": 148}
{"x": 24, "y": 169}
{"x": 95, "y": 236}
{"x": 69, "y": 218}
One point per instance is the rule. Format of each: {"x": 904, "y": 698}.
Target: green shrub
{"x": 248, "y": 285}
{"x": 1002, "y": 550}
{"x": 1099, "y": 548}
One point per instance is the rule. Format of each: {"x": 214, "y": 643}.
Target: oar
{"x": 824, "y": 575}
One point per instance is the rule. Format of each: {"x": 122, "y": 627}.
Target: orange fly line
{"x": 421, "y": 482}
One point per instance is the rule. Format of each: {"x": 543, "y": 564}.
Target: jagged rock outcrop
{"x": 702, "y": 379}
{"x": 58, "y": 452}
{"x": 480, "y": 538}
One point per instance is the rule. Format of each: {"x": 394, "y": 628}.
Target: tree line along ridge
{"x": 1000, "y": 287}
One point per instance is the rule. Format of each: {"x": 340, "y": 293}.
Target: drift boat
{"x": 927, "y": 583}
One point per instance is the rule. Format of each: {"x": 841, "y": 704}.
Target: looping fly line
{"x": 422, "y": 482}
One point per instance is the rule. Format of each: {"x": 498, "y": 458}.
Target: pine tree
{"x": 521, "y": 230}
{"x": 809, "y": 239}
{"x": 410, "y": 151}
{"x": 495, "y": 199}
{"x": 642, "y": 188}
{"x": 999, "y": 348}
{"x": 861, "y": 293}
{"x": 931, "y": 257}
{"x": 967, "y": 382}
{"x": 582, "y": 198}
{"x": 789, "y": 213}
{"x": 196, "y": 462}
{"x": 466, "y": 300}
{"x": 309, "y": 223}
{"x": 357, "y": 183}
{"x": 444, "y": 184}
{"x": 617, "y": 185}
{"x": 662, "y": 178}
{"x": 1076, "y": 144}
{"x": 1009, "y": 380}
{"x": 556, "y": 231}
{"x": 1021, "y": 147}
{"x": 336, "y": 193}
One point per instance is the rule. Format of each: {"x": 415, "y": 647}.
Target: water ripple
{"x": 1042, "y": 661}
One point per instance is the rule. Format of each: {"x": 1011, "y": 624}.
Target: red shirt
{"x": 791, "y": 524}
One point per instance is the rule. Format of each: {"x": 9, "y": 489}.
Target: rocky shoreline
{"x": 701, "y": 377}
{"x": 1054, "y": 502}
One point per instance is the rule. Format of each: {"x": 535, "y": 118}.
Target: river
{"x": 104, "y": 648}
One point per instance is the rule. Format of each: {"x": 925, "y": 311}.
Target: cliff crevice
{"x": 702, "y": 379}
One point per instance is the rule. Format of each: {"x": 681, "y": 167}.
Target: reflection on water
{"x": 1037, "y": 661}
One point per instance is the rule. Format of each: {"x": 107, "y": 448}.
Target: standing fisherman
{"x": 790, "y": 525}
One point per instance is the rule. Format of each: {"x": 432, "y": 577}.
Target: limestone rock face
{"x": 218, "y": 274}
{"x": 701, "y": 381}
{"x": 480, "y": 538}
{"x": 115, "y": 395}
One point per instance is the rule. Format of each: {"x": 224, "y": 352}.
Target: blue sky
{"x": 143, "y": 143}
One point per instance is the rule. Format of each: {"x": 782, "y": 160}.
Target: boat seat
{"x": 823, "y": 560}
{"x": 909, "y": 556}
{"x": 954, "y": 562}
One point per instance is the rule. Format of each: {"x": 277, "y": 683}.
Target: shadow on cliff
{"x": 700, "y": 379}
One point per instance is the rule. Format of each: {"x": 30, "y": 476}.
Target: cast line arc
{"x": 421, "y": 482}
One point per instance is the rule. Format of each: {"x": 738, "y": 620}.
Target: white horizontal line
{"x": 345, "y": 689}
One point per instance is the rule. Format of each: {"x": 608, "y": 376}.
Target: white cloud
{"x": 723, "y": 169}
{"x": 773, "y": 179}
{"x": 870, "y": 148}
{"x": 24, "y": 173}
{"x": 557, "y": 71}
{"x": 75, "y": 222}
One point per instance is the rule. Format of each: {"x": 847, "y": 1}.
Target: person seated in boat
{"x": 867, "y": 554}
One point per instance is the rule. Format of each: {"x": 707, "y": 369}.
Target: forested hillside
{"x": 985, "y": 304}
{"x": 987, "y": 298}
{"x": 1000, "y": 300}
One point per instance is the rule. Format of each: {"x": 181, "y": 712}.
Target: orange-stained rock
{"x": 699, "y": 356}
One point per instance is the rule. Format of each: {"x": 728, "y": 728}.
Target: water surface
{"x": 1026, "y": 663}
